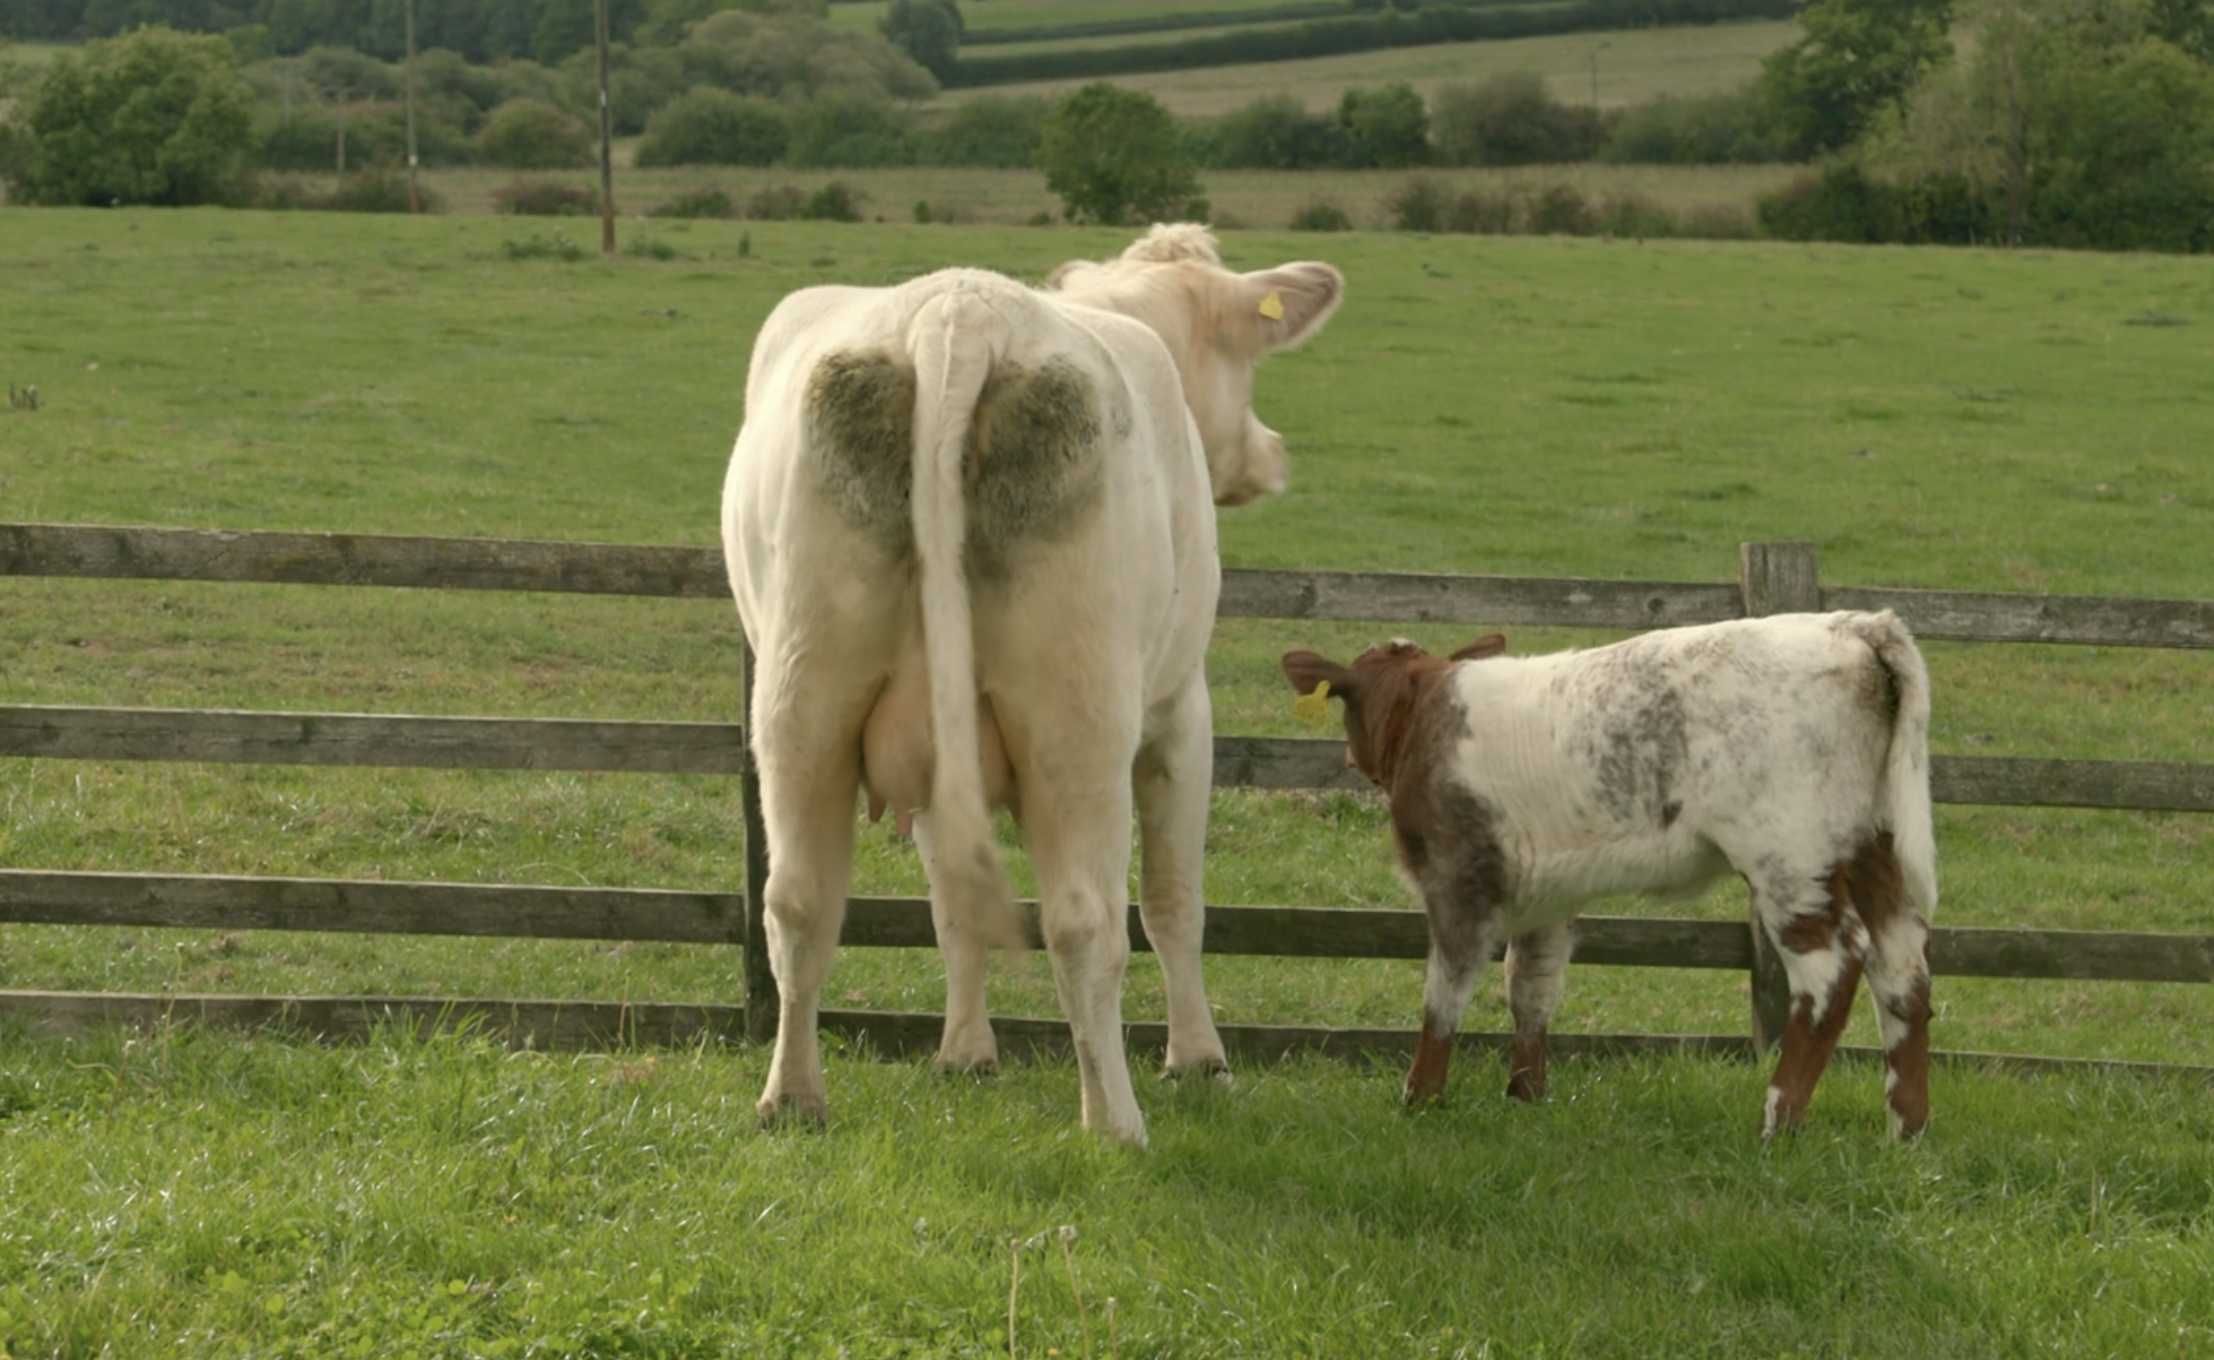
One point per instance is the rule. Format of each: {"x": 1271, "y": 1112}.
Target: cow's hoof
{"x": 983, "y": 1067}
{"x": 778, "y": 1112}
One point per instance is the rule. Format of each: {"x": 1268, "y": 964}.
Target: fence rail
{"x": 1772, "y": 578}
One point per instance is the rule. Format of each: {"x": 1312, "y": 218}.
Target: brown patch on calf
{"x": 1877, "y": 887}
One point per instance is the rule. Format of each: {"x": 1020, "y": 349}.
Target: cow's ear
{"x": 1292, "y": 300}
{"x": 1492, "y": 644}
{"x": 1309, "y": 672}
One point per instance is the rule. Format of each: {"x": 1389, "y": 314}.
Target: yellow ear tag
{"x": 1272, "y": 306}
{"x": 1314, "y": 709}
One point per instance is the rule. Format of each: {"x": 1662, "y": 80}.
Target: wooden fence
{"x": 1773, "y": 578}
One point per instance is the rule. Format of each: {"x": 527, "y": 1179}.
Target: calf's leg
{"x": 1536, "y": 964}
{"x": 1821, "y": 940}
{"x": 1898, "y": 969}
{"x": 1459, "y": 948}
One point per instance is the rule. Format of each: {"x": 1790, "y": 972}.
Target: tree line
{"x": 2065, "y": 122}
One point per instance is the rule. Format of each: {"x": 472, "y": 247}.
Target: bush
{"x": 836, "y": 201}
{"x": 531, "y": 134}
{"x": 992, "y": 129}
{"x": 698, "y": 203}
{"x": 707, "y": 126}
{"x": 1320, "y": 214}
{"x": 1510, "y": 119}
{"x": 1560, "y": 211}
{"x": 545, "y": 198}
{"x": 848, "y": 130}
{"x": 1634, "y": 216}
{"x": 382, "y": 188}
{"x": 781, "y": 203}
{"x": 1840, "y": 203}
{"x": 1728, "y": 128}
{"x": 1420, "y": 204}
{"x": 1275, "y": 132}
{"x": 154, "y": 117}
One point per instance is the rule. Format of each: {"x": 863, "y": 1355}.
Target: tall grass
{"x": 185, "y": 1193}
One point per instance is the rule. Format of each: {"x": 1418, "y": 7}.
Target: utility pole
{"x": 414, "y": 195}
{"x": 341, "y": 131}
{"x": 607, "y": 134}
{"x": 1595, "y": 76}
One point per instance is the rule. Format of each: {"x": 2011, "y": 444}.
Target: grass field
{"x": 969, "y": 197}
{"x": 2011, "y": 421}
{"x": 1634, "y": 66}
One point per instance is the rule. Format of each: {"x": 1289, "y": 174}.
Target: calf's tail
{"x": 1905, "y": 791}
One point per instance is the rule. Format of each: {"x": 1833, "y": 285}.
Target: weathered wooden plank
{"x": 1285, "y": 763}
{"x": 2087, "y": 955}
{"x": 57, "y": 731}
{"x": 2140, "y": 785}
{"x": 225, "y": 902}
{"x": 569, "y": 1026}
{"x": 220, "y": 902}
{"x": 1991, "y": 616}
{"x": 101, "y": 550}
{"x": 232, "y": 736}
{"x": 1475, "y": 600}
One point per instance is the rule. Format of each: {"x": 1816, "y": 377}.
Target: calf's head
{"x": 1382, "y": 691}
{"x": 1217, "y": 324}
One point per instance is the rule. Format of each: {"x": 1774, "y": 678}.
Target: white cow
{"x": 970, "y": 529}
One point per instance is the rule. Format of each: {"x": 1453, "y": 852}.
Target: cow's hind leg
{"x": 1172, "y": 779}
{"x": 808, "y": 806}
{"x": 1810, "y": 920}
{"x": 1077, "y": 820}
{"x": 1899, "y": 979}
{"x": 1536, "y": 966}
{"x": 967, "y": 1044}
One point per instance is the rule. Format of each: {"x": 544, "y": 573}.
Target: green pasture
{"x": 865, "y": 15}
{"x": 1966, "y": 419}
{"x": 1634, "y": 66}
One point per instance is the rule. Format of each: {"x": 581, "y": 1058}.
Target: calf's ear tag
{"x": 1313, "y": 709}
{"x": 1272, "y": 306}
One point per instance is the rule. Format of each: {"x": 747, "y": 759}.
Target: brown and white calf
{"x": 1793, "y": 749}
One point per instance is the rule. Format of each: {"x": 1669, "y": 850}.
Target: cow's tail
{"x": 1906, "y": 776}
{"x": 954, "y": 342}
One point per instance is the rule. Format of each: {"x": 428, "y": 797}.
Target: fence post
{"x": 761, "y": 998}
{"x": 1774, "y": 578}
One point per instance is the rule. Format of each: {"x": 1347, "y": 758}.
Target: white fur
{"x": 1082, "y": 677}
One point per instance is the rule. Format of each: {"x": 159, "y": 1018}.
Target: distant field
{"x": 1244, "y": 198}
{"x": 997, "y": 14}
{"x": 1633, "y": 66}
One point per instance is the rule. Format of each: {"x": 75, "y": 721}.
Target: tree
{"x": 707, "y": 126}
{"x": 1387, "y": 127}
{"x": 531, "y": 134}
{"x": 1857, "y": 61}
{"x": 1113, "y": 154}
{"x": 156, "y": 116}
{"x": 927, "y": 30}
